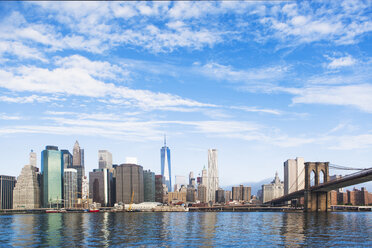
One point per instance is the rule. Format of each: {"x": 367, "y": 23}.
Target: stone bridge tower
{"x": 316, "y": 200}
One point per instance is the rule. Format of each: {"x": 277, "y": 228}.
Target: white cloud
{"x": 352, "y": 142}
{"x": 341, "y": 62}
{"x": 30, "y": 99}
{"x": 4, "y": 116}
{"x": 258, "y": 110}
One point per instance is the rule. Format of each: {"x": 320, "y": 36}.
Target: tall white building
{"x": 212, "y": 174}
{"x": 273, "y": 190}
{"x": 33, "y": 158}
{"x": 70, "y": 187}
{"x": 294, "y": 175}
{"x": 104, "y": 159}
{"x": 204, "y": 177}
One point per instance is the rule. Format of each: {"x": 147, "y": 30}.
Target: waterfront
{"x": 208, "y": 229}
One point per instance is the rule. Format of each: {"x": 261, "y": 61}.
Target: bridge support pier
{"x": 316, "y": 201}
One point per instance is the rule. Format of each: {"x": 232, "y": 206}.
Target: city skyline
{"x": 262, "y": 82}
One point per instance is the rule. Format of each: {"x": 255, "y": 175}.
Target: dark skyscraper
{"x": 129, "y": 181}
{"x": 159, "y": 189}
{"x": 165, "y": 160}
{"x": 67, "y": 159}
{"x": 78, "y": 165}
{"x": 149, "y": 186}
{"x": 100, "y": 183}
{"x": 7, "y": 184}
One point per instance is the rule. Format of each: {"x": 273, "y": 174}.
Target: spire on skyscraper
{"x": 165, "y": 140}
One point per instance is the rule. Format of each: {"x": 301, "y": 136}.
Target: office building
{"x": 26, "y": 193}
{"x": 104, "y": 159}
{"x": 220, "y": 196}
{"x": 212, "y": 174}
{"x": 33, "y": 159}
{"x": 202, "y": 193}
{"x": 204, "y": 177}
{"x": 78, "y": 165}
{"x": 159, "y": 189}
{"x": 273, "y": 190}
{"x": 294, "y": 175}
{"x": 100, "y": 184}
{"x": 7, "y": 184}
{"x": 180, "y": 180}
{"x": 228, "y": 195}
{"x": 149, "y": 186}
{"x": 177, "y": 197}
{"x": 165, "y": 160}
{"x": 70, "y": 187}
{"x": 191, "y": 194}
{"x": 52, "y": 177}
{"x": 67, "y": 159}
{"x": 129, "y": 183}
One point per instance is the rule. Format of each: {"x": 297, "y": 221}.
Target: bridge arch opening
{"x": 321, "y": 177}
{"x": 312, "y": 178}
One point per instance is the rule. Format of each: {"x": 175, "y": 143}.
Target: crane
{"x": 131, "y": 202}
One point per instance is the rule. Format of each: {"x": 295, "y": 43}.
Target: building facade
{"x": 78, "y": 165}
{"x": 104, "y": 159}
{"x": 220, "y": 196}
{"x": 67, "y": 159}
{"x": 273, "y": 190}
{"x": 70, "y": 187}
{"x": 202, "y": 193}
{"x": 241, "y": 193}
{"x": 52, "y": 177}
{"x": 7, "y": 184}
{"x": 149, "y": 186}
{"x": 26, "y": 193}
{"x": 294, "y": 175}
{"x": 129, "y": 183}
{"x": 33, "y": 158}
{"x": 213, "y": 182}
{"x": 165, "y": 161}
{"x": 100, "y": 183}
{"x": 159, "y": 189}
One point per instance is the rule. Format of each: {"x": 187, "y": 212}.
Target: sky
{"x": 261, "y": 82}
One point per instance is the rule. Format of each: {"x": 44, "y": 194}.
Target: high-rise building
{"x": 149, "y": 186}
{"x": 165, "y": 160}
{"x": 26, "y": 193}
{"x": 204, "y": 177}
{"x": 52, "y": 177}
{"x": 129, "y": 182}
{"x": 228, "y": 196}
{"x": 7, "y": 184}
{"x": 104, "y": 159}
{"x": 212, "y": 174}
{"x": 159, "y": 189}
{"x": 191, "y": 176}
{"x": 180, "y": 180}
{"x": 100, "y": 186}
{"x": 70, "y": 187}
{"x": 33, "y": 158}
{"x": 78, "y": 164}
{"x": 202, "y": 193}
{"x": 67, "y": 159}
{"x": 220, "y": 196}
{"x": 241, "y": 193}
{"x": 294, "y": 175}
{"x": 273, "y": 190}
{"x": 191, "y": 194}
{"x": 85, "y": 191}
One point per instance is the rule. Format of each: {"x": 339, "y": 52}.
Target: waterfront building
{"x": 159, "y": 188}
{"x": 85, "y": 191}
{"x": 220, "y": 196}
{"x": 100, "y": 183}
{"x": 177, "y": 197}
{"x": 78, "y": 164}
{"x": 7, "y": 184}
{"x": 212, "y": 174}
{"x": 70, "y": 187}
{"x": 149, "y": 186}
{"x": 165, "y": 160}
{"x": 294, "y": 175}
{"x": 191, "y": 194}
{"x": 26, "y": 193}
{"x": 33, "y": 159}
{"x": 204, "y": 177}
{"x": 202, "y": 193}
{"x": 241, "y": 193}
{"x": 273, "y": 190}
{"x": 52, "y": 177}
{"x": 228, "y": 195}
{"x": 129, "y": 182}
{"x": 67, "y": 159}
{"x": 104, "y": 159}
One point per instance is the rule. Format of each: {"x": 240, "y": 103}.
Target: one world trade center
{"x": 166, "y": 165}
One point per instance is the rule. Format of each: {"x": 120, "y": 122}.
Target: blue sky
{"x": 261, "y": 82}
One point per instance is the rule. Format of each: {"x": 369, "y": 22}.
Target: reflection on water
{"x": 187, "y": 229}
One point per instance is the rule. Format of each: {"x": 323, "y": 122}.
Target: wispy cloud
{"x": 341, "y": 62}
{"x": 30, "y": 99}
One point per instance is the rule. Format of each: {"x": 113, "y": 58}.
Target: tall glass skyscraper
{"x": 78, "y": 164}
{"x": 166, "y": 165}
{"x": 212, "y": 174}
{"x": 52, "y": 176}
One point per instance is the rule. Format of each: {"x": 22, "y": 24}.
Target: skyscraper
{"x": 100, "y": 182}
{"x": 294, "y": 175}
{"x": 212, "y": 174}
{"x": 149, "y": 186}
{"x": 273, "y": 190}
{"x": 33, "y": 158}
{"x": 7, "y": 184}
{"x": 166, "y": 165}
{"x": 104, "y": 159}
{"x": 70, "y": 187}
{"x": 67, "y": 159}
{"x": 78, "y": 164}
{"x": 159, "y": 188}
{"x": 129, "y": 182}
{"x": 26, "y": 193}
{"x": 52, "y": 176}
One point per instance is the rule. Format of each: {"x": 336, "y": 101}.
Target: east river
{"x": 188, "y": 229}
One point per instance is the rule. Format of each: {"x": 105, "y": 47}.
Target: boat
{"x": 51, "y": 211}
{"x": 93, "y": 210}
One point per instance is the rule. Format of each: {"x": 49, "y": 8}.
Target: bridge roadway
{"x": 348, "y": 180}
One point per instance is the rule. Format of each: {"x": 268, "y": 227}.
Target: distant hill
{"x": 254, "y": 185}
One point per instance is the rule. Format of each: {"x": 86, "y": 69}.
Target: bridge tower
{"x": 316, "y": 201}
